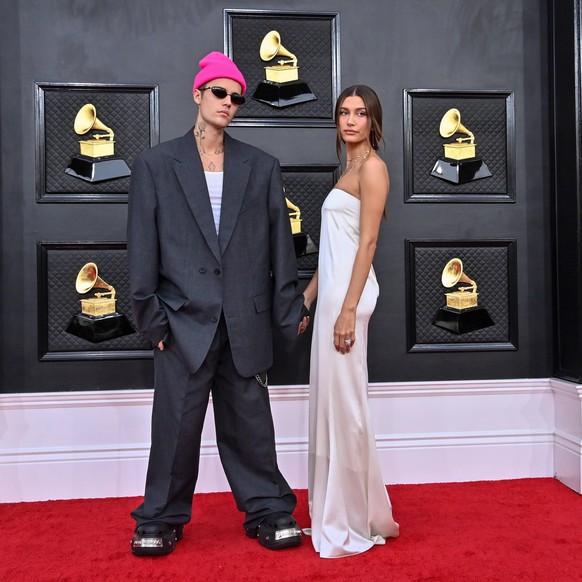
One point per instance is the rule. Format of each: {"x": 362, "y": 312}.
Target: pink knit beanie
{"x": 216, "y": 66}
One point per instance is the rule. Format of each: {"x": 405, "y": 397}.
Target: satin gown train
{"x": 348, "y": 502}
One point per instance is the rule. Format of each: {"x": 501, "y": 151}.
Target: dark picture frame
{"x": 490, "y": 115}
{"x": 131, "y": 111}
{"x": 58, "y": 264}
{"x": 306, "y": 186}
{"x": 491, "y": 263}
{"x": 313, "y": 37}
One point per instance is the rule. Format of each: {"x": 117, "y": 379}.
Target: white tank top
{"x": 214, "y": 183}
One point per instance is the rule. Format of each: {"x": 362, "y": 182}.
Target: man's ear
{"x": 197, "y": 96}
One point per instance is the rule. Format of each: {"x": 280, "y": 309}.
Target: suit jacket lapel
{"x": 236, "y": 177}
{"x": 190, "y": 172}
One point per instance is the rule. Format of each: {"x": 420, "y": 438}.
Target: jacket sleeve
{"x": 143, "y": 254}
{"x": 287, "y": 301}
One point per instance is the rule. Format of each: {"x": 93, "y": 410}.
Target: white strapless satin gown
{"x": 348, "y": 502}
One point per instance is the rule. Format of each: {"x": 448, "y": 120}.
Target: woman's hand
{"x": 303, "y": 325}
{"x": 344, "y": 331}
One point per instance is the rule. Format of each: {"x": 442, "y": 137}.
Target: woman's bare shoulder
{"x": 374, "y": 163}
{"x": 374, "y": 167}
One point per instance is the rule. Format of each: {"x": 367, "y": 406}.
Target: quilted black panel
{"x": 62, "y": 300}
{"x": 309, "y": 38}
{"x": 487, "y": 265}
{"x": 487, "y": 117}
{"x": 127, "y": 113}
{"x": 307, "y": 188}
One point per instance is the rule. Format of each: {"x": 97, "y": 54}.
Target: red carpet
{"x": 527, "y": 529}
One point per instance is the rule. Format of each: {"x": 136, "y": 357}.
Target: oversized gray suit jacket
{"x": 183, "y": 276}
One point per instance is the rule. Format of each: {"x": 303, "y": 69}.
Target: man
{"x": 212, "y": 268}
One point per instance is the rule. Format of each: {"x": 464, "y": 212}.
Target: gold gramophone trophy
{"x": 459, "y": 164}
{"x": 462, "y": 313}
{"x": 303, "y": 243}
{"x": 282, "y": 86}
{"x": 97, "y": 160}
{"x": 98, "y": 320}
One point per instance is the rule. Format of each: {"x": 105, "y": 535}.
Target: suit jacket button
{"x": 202, "y": 270}
{"x": 217, "y": 271}
{"x": 214, "y": 319}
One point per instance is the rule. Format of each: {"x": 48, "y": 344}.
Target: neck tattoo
{"x": 217, "y": 154}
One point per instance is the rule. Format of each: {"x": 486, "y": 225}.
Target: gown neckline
{"x": 346, "y": 192}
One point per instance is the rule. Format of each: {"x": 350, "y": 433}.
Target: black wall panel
{"x": 566, "y": 76}
{"x": 391, "y": 45}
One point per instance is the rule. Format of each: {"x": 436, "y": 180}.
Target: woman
{"x": 348, "y": 503}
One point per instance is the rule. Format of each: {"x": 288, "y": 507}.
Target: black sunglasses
{"x": 221, "y": 93}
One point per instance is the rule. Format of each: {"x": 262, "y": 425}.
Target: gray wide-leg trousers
{"x": 244, "y": 433}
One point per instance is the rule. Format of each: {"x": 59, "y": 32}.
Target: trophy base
{"x": 99, "y": 328}
{"x": 460, "y": 171}
{"x": 461, "y": 321}
{"x": 303, "y": 245}
{"x": 283, "y": 94}
{"x": 98, "y": 169}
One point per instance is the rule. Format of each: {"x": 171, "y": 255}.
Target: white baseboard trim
{"x": 568, "y": 433}
{"x": 95, "y": 444}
